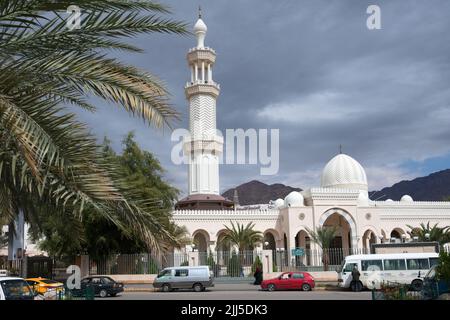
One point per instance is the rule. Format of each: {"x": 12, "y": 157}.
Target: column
{"x": 209, "y": 73}
{"x": 267, "y": 262}
{"x": 203, "y": 71}
{"x": 196, "y": 72}
{"x": 192, "y": 74}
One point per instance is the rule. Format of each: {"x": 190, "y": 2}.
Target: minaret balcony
{"x": 201, "y": 54}
{"x": 202, "y": 87}
{"x": 205, "y": 144}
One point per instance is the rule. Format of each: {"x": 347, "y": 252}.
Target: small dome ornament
{"x": 406, "y": 198}
{"x": 200, "y": 29}
{"x": 294, "y": 199}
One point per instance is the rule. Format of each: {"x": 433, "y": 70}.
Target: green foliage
{"x": 48, "y": 159}
{"x": 323, "y": 236}
{"x": 184, "y": 264}
{"x": 97, "y": 236}
{"x": 443, "y": 267}
{"x": 234, "y": 266}
{"x": 441, "y": 235}
{"x": 257, "y": 264}
{"x": 244, "y": 238}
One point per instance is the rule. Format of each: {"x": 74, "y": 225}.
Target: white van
{"x": 403, "y": 268}
{"x": 197, "y": 278}
{"x": 13, "y": 288}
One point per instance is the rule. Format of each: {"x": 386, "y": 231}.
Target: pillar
{"x": 84, "y": 265}
{"x": 267, "y": 261}
{"x": 193, "y": 258}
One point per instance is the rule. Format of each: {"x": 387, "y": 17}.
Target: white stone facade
{"x": 341, "y": 201}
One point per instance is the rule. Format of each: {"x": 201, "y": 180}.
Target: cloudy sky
{"x": 313, "y": 70}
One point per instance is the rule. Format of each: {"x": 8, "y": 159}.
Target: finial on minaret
{"x": 200, "y": 30}
{"x": 340, "y": 149}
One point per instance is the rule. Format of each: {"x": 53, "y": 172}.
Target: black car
{"x": 100, "y": 286}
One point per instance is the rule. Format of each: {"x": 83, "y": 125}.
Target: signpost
{"x": 298, "y": 252}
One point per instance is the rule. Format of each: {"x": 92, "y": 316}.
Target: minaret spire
{"x": 199, "y": 12}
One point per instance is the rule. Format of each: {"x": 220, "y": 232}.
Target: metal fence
{"x": 232, "y": 264}
{"x": 144, "y": 263}
{"x": 313, "y": 259}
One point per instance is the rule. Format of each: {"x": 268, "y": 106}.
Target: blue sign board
{"x": 298, "y": 252}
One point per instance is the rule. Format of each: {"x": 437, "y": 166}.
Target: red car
{"x": 290, "y": 281}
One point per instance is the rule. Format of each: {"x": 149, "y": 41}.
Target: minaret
{"x": 204, "y": 146}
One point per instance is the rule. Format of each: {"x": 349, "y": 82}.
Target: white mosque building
{"x": 341, "y": 200}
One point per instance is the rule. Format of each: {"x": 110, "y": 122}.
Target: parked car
{"x": 290, "y": 281}
{"x": 432, "y": 288}
{"x": 101, "y": 285}
{"x": 13, "y": 288}
{"x": 43, "y": 285}
{"x": 197, "y": 278}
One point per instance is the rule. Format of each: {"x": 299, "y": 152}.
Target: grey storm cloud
{"x": 315, "y": 71}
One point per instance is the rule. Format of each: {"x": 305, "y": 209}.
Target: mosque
{"x": 341, "y": 200}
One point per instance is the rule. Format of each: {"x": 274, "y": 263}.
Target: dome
{"x": 294, "y": 199}
{"x": 389, "y": 200}
{"x": 200, "y": 26}
{"x": 278, "y": 203}
{"x": 344, "y": 172}
{"x": 406, "y": 198}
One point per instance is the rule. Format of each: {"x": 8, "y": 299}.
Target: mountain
{"x": 257, "y": 192}
{"x": 434, "y": 187}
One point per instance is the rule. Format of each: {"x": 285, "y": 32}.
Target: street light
{"x": 427, "y": 236}
{"x": 403, "y": 237}
{"x": 266, "y": 244}
{"x": 193, "y": 247}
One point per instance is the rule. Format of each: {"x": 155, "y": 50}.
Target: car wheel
{"x": 417, "y": 285}
{"x": 165, "y": 287}
{"x": 271, "y": 287}
{"x": 306, "y": 287}
{"x": 103, "y": 293}
{"x": 198, "y": 287}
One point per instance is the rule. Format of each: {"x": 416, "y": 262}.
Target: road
{"x": 244, "y": 292}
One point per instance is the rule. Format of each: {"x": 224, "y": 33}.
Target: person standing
{"x": 355, "y": 284}
{"x": 258, "y": 276}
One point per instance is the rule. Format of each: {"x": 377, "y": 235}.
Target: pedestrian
{"x": 355, "y": 284}
{"x": 242, "y": 271}
{"x": 258, "y": 276}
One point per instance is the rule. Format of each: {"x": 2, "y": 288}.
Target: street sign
{"x": 298, "y": 252}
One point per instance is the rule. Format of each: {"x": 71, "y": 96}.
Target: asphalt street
{"x": 243, "y": 292}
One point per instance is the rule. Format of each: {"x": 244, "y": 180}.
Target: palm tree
{"x": 47, "y": 157}
{"x": 430, "y": 233}
{"x": 242, "y": 237}
{"x": 323, "y": 236}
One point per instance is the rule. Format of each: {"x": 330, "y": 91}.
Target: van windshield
{"x": 164, "y": 273}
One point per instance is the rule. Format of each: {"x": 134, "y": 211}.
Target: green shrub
{"x": 234, "y": 266}
{"x": 443, "y": 267}
{"x": 184, "y": 264}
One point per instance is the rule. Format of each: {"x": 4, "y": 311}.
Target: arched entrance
{"x": 397, "y": 234}
{"x": 369, "y": 238}
{"x": 302, "y": 240}
{"x": 269, "y": 240}
{"x": 345, "y": 239}
{"x": 201, "y": 240}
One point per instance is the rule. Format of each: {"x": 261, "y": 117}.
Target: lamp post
{"x": 403, "y": 237}
{"x": 266, "y": 244}
{"x": 427, "y": 236}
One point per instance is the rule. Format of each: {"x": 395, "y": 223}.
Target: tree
{"x": 243, "y": 237}
{"x": 99, "y": 237}
{"x": 323, "y": 236}
{"x": 441, "y": 235}
{"x": 48, "y": 160}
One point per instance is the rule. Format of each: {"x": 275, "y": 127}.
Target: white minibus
{"x": 375, "y": 269}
